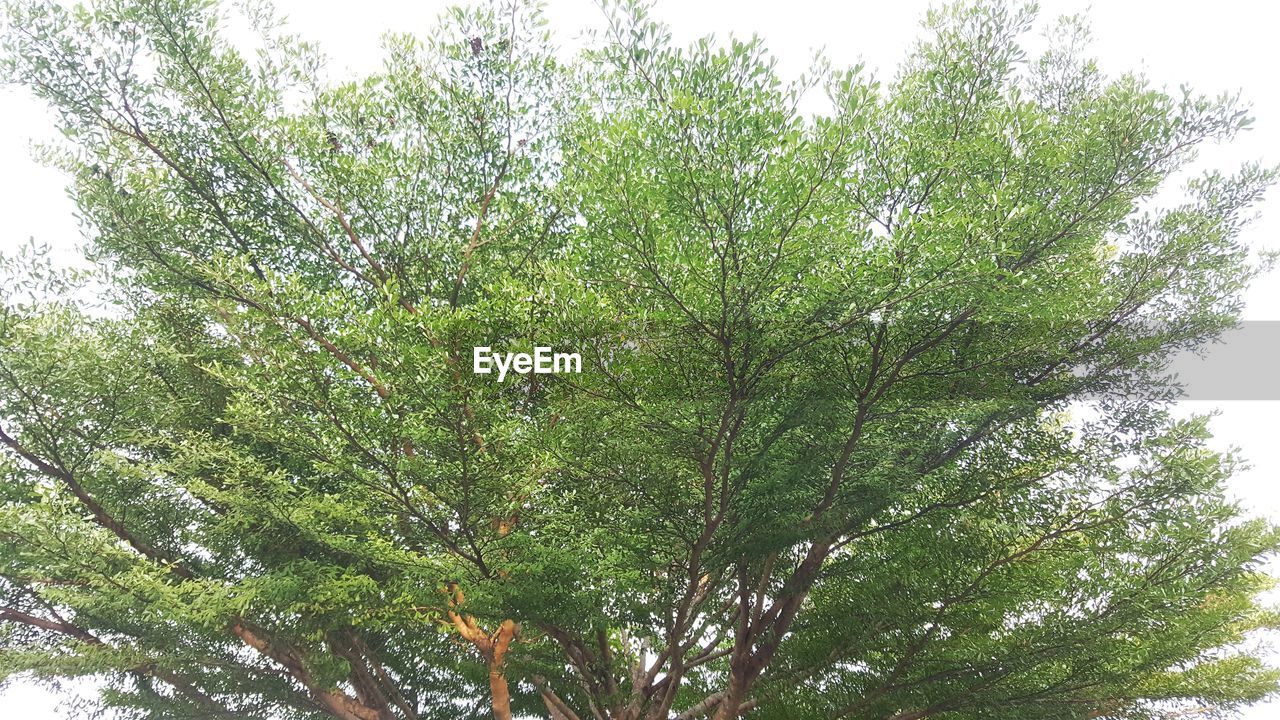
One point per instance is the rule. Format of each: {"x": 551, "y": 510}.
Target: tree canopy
{"x": 827, "y": 456}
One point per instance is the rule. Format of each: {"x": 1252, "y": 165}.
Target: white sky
{"x": 1226, "y": 45}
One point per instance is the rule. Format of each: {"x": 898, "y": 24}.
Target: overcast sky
{"x": 1225, "y": 45}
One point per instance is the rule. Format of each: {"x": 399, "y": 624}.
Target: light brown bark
{"x": 337, "y": 703}
{"x": 501, "y": 694}
{"x": 493, "y": 649}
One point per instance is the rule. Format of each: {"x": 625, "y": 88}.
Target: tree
{"x": 826, "y": 457}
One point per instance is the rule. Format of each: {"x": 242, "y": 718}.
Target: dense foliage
{"x": 871, "y": 422}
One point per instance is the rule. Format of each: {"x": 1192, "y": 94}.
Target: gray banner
{"x": 1240, "y": 366}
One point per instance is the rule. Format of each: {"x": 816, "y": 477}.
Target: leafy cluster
{"x": 826, "y": 457}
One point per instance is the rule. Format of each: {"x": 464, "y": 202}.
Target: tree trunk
{"x": 728, "y": 708}
{"x": 499, "y": 692}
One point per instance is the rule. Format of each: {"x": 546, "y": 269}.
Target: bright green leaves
{"x": 819, "y": 461}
